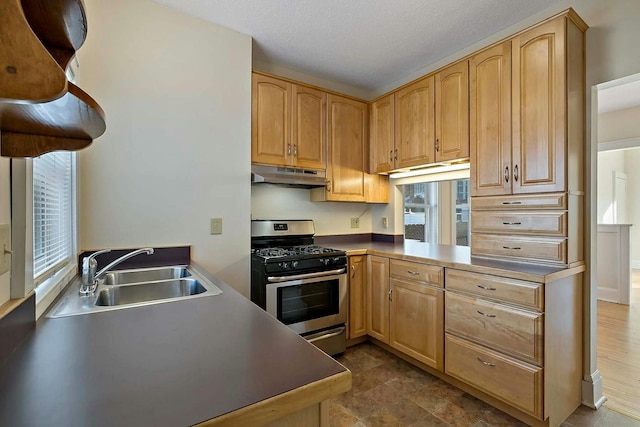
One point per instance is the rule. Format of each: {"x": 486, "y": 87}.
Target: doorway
{"x": 618, "y": 323}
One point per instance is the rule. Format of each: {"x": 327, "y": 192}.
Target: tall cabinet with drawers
{"x": 527, "y": 145}
{"x": 518, "y": 341}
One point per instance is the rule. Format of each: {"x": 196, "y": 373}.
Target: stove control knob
{"x": 294, "y": 264}
{"x": 324, "y": 261}
{"x": 336, "y": 260}
{"x": 284, "y": 265}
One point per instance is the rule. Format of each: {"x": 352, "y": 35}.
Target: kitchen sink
{"x": 154, "y": 291}
{"x": 124, "y": 277}
{"x": 134, "y": 288}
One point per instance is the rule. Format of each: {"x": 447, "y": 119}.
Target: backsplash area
{"x": 278, "y": 202}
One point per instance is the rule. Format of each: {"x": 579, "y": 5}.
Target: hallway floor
{"x": 619, "y": 351}
{"x": 388, "y": 391}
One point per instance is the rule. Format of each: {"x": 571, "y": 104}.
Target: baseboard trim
{"x": 592, "y": 391}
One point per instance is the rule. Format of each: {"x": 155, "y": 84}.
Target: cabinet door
{"x": 378, "y": 298}
{"x": 309, "y": 126}
{"x": 417, "y": 321}
{"x": 452, "y": 112}
{"x": 348, "y": 123}
{"x": 357, "y": 296}
{"x": 490, "y": 124}
{"x": 415, "y": 124}
{"x": 382, "y": 134}
{"x": 539, "y": 109}
{"x": 270, "y": 121}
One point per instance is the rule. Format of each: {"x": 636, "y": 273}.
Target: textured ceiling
{"x": 366, "y": 44}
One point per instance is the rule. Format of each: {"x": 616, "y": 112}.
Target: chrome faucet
{"x": 90, "y": 265}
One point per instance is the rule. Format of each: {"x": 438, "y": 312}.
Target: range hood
{"x": 293, "y": 177}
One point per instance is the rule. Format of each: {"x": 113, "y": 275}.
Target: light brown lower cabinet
{"x": 416, "y": 321}
{"x": 378, "y": 298}
{"x": 406, "y": 314}
{"x": 357, "y": 296}
{"x": 517, "y": 383}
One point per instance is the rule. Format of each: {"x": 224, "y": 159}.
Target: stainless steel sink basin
{"x": 124, "y": 277}
{"x": 134, "y": 288}
{"x": 154, "y": 291}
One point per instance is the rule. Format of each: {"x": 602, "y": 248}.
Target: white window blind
{"x": 52, "y": 213}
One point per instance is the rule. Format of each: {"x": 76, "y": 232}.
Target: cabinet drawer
{"x": 520, "y": 292}
{"x": 516, "y": 332}
{"x": 516, "y": 383}
{"x": 548, "y": 249}
{"x": 416, "y": 271}
{"x": 530, "y": 201}
{"x": 552, "y": 223}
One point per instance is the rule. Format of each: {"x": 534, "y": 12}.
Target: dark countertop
{"x": 457, "y": 257}
{"x": 171, "y": 364}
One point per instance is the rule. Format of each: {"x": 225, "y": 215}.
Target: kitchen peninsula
{"x": 217, "y": 360}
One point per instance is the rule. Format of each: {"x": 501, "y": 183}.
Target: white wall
{"x": 330, "y": 218}
{"x": 176, "y": 91}
{"x": 608, "y": 163}
{"x": 632, "y": 161}
{"x": 5, "y": 218}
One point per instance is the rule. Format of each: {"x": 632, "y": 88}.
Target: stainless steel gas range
{"x": 301, "y": 284}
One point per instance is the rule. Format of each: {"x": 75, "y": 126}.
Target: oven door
{"x": 307, "y": 302}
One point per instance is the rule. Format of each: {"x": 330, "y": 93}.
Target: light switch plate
{"x": 385, "y": 222}
{"x": 5, "y": 245}
{"x": 216, "y": 225}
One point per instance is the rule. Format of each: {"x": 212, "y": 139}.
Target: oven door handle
{"x": 277, "y": 279}
{"x": 331, "y": 334}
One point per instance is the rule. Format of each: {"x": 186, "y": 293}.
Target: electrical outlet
{"x": 216, "y": 225}
{"x": 355, "y": 222}
{"x": 385, "y": 222}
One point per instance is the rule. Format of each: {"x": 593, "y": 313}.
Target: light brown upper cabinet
{"x": 347, "y": 162}
{"x": 452, "y": 112}
{"x": 539, "y": 109}
{"x": 309, "y": 127}
{"x": 382, "y": 134}
{"x": 527, "y": 101}
{"x": 490, "y": 124}
{"x": 288, "y": 124}
{"x": 414, "y": 124}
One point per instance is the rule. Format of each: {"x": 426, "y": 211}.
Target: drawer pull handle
{"x": 511, "y": 203}
{"x": 485, "y": 314}
{"x": 413, "y": 273}
{"x": 515, "y": 248}
{"x": 492, "y": 365}
{"x": 390, "y": 294}
{"x": 512, "y": 223}
{"x": 486, "y": 288}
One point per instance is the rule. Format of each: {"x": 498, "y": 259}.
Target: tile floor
{"x": 388, "y": 391}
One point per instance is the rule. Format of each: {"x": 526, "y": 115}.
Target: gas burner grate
{"x": 311, "y": 250}
{"x": 274, "y": 252}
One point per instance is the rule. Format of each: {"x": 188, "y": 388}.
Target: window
{"x": 437, "y": 212}
{"x": 421, "y": 212}
{"x": 53, "y": 213}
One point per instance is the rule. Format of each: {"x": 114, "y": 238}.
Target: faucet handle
{"x": 87, "y": 259}
{"x": 89, "y": 267}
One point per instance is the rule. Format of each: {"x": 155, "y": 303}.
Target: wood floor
{"x": 619, "y": 352}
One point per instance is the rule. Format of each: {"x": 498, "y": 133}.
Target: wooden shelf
{"x": 39, "y": 110}
{"x": 70, "y": 122}
{"x": 61, "y": 26}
